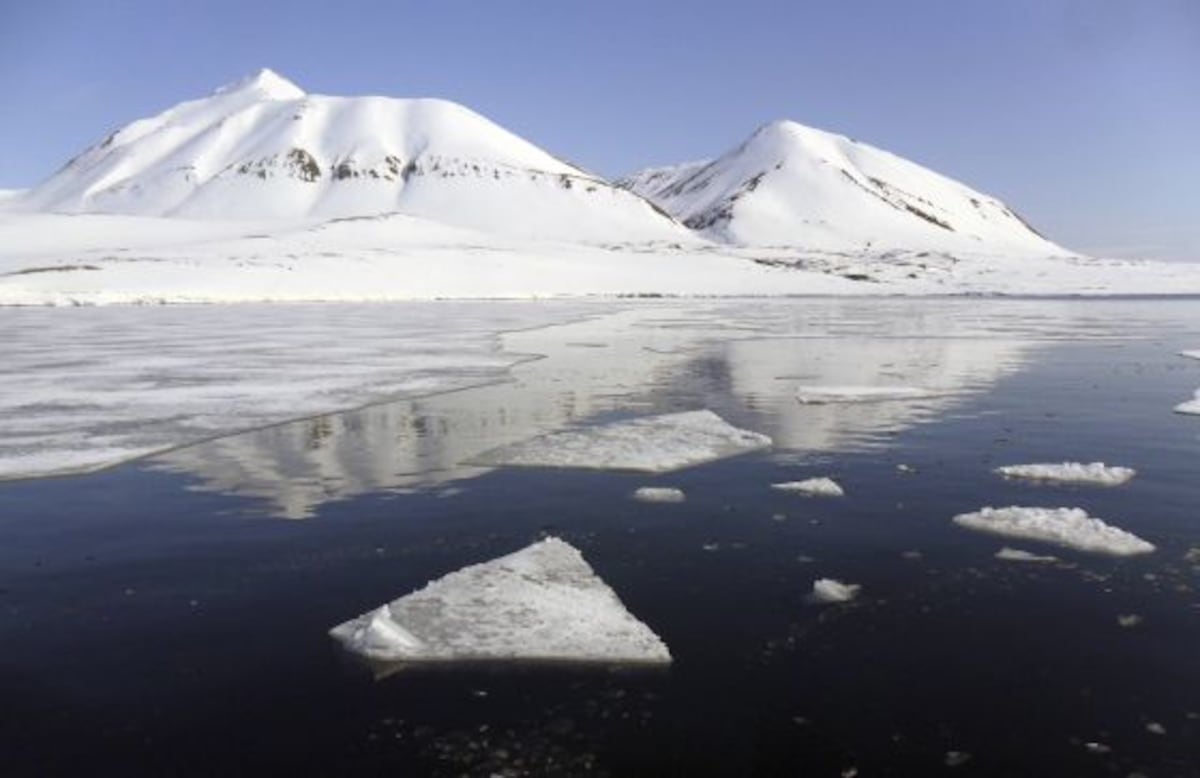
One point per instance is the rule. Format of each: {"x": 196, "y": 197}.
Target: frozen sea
{"x": 167, "y": 614}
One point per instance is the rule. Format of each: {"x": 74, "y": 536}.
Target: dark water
{"x": 154, "y": 620}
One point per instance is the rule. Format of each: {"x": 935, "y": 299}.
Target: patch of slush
{"x": 655, "y": 444}
{"x": 1096, "y": 473}
{"x": 1068, "y": 527}
{"x": 821, "y": 395}
{"x": 1191, "y": 407}
{"x": 658, "y": 494}
{"x": 1017, "y": 555}
{"x": 814, "y": 487}
{"x": 87, "y": 388}
{"x": 830, "y": 590}
{"x": 542, "y": 603}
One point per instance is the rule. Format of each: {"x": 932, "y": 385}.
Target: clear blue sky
{"x": 1083, "y": 114}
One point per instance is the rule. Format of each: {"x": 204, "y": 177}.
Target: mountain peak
{"x": 266, "y": 82}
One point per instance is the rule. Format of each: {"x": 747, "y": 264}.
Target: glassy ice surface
{"x": 155, "y": 617}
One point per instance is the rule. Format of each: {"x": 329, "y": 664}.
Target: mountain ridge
{"x": 790, "y": 184}
{"x": 261, "y": 147}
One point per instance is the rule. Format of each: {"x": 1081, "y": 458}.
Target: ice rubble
{"x": 1069, "y": 527}
{"x": 654, "y": 444}
{"x": 830, "y": 590}
{"x": 814, "y": 487}
{"x": 542, "y": 603}
{"x": 820, "y": 395}
{"x": 658, "y": 494}
{"x": 1017, "y": 555}
{"x": 1191, "y": 407}
{"x": 1096, "y": 473}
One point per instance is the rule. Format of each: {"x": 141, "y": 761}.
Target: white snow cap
{"x": 1096, "y": 473}
{"x": 267, "y": 83}
{"x": 542, "y": 603}
{"x": 654, "y": 444}
{"x": 1069, "y": 527}
{"x": 830, "y": 590}
{"x": 814, "y": 487}
{"x": 818, "y": 395}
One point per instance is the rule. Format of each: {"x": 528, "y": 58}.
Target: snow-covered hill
{"x": 263, "y": 149}
{"x": 791, "y": 185}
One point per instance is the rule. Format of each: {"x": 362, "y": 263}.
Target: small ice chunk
{"x": 658, "y": 494}
{"x": 814, "y": 487}
{"x": 1128, "y": 620}
{"x": 821, "y": 395}
{"x": 1191, "y": 407}
{"x": 542, "y": 603}
{"x": 1190, "y": 354}
{"x": 1096, "y": 747}
{"x": 1096, "y": 473}
{"x": 1017, "y": 555}
{"x": 1069, "y": 527}
{"x": 1154, "y": 728}
{"x": 829, "y": 590}
{"x": 655, "y": 444}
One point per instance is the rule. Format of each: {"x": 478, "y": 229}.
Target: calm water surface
{"x": 169, "y": 617}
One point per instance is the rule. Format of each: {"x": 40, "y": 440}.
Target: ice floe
{"x": 820, "y": 395}
{"x": 830, "y": 590}
{"x": 1069, "y": 527}
{"x": 654, "y": 444}
{"x": 814, "y": 487}
{"x": 1191, "y": 407}
{"x": 658, "y": 494}
{"x": 1017, "y": 555}
{"x": 1190, "y": 354}
{"x": 542, "y": 603}
{"x": 1096, "y": 473}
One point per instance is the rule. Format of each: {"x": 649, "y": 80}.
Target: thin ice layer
{"x": 820, "y": 395}
{"x": 1096, "y": 473}
{"x": 542, "y": 603}
{"x": 654, "y": 444}
{"x": 1191, "y": 407}
{"x": 658, "y": 494}
{"x": 1019, "y": 555}
{"x": 1069, "y": 527}
{"x": 814, "y": 487}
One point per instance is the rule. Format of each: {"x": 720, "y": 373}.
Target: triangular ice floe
{"x": 654, "y": 444}
{"x": 542, "y": 603}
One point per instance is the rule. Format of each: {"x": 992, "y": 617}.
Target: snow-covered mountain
{"x": 263, "y": 149}
{"x": 792, "y": 185}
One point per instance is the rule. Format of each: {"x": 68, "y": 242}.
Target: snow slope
{"x": 262, "y": 148}
{"x": 789, "y": 184}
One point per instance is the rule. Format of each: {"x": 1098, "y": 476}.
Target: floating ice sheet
{"x": 542, "y": 603}
{"x": 1069, "y": 527}
{"x": 658, "y": 494}
{"x": 1017, "y": 555}
{"x": 814, "y": 487}
{"x": 1191, "y": 407}
{"x": 1096, "y": 473}
{"x": 830, "y": 590}
{"x": 1190, "y": 354}
{"x": 654, "y": 444}
{"x": 820, "y": 395}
